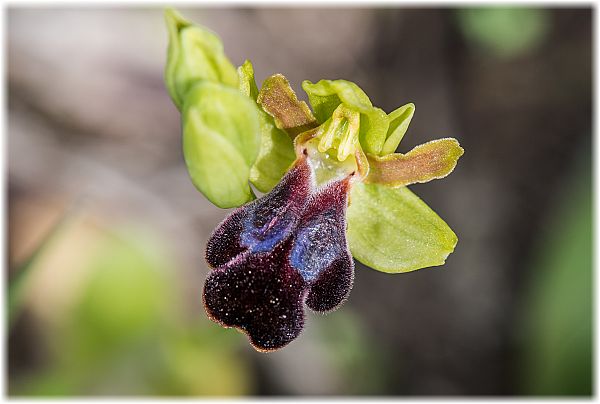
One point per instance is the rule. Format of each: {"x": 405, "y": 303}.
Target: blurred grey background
{"x": 112, "y": 305}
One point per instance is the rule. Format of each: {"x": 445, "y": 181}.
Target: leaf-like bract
{"x": 194, "y": 54}
{"x": 221, "y": 140}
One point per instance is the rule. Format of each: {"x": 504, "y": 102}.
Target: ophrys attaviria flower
{"x": 334, "y": 188}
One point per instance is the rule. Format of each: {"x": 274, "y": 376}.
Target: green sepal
{"x": 399, "y": 120}
{"x": 325, "y": 96}
{"x": 276, "y": 147}
{"x": 194, "y": 54}
{"x": 275, "y": 157}
{"x": 247, "y": 83}
{"x": 221, "y": 140}
{"x": 392, "y": 230}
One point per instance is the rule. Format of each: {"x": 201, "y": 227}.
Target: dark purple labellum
{"x": 277, "y": 253}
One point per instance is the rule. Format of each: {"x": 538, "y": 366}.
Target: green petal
{"x": 221, "y": 141}
{"x": 275, "y": 157}
{"x": 392, "y": 230}
{"x": 194, "y": 54}
{"x": 247, "y": 85}
{"x": 278, "y": 99}
{"x": 325, "y": 96}
{"x": 399, "y": 121}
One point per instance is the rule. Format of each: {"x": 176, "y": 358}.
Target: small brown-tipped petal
{"x": 278, "y": 99}
{"x": 426, "y": 162}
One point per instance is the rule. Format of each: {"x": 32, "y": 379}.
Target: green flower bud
{"x": 194, "y": 54}
{"x": 221, "y": 140}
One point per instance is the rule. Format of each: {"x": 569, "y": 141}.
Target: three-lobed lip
{"x": 278, "y": 253}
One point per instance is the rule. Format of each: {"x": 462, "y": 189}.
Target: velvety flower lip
{"x": 277, "y": 253}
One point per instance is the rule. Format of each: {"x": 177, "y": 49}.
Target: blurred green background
{"x": 108, "y": 301}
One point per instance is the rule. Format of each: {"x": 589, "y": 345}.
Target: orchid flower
{"x": 334, "y": 187}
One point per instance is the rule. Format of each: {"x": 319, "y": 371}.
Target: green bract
{"x": 221, "y": 140}
{"x": 194, "y": 54}
{"x": 235, "y": 135}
